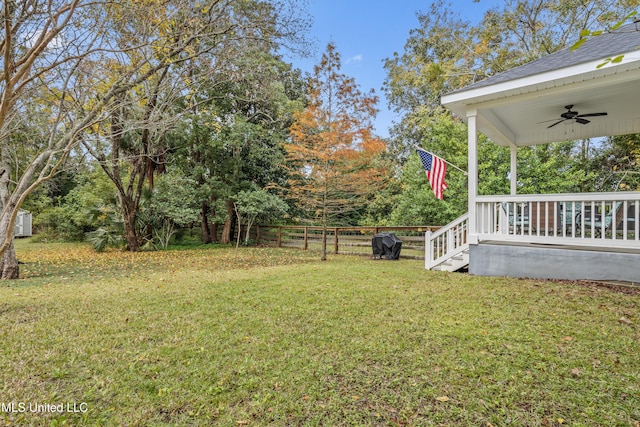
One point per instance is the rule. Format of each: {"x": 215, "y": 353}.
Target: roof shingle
{"x": 625, "y": 39}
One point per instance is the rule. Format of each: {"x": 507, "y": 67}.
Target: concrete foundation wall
{"x": 551, "y": 263}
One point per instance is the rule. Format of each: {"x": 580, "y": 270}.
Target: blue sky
{"x": 366, "y": 32}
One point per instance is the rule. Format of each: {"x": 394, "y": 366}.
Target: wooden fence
{"x": 342, "y": 240}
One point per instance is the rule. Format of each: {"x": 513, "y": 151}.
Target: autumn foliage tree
{"x": 98, "y": 72}
{"x": 332, "y": 151}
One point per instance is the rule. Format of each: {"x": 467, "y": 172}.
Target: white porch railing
{"x": 602, "y": 220}
{"x": 447, "y": 242}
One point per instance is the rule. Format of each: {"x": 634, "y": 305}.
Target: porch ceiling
{"x": 518, "y": 111}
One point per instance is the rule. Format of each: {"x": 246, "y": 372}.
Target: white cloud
{"x": 357, "y": 59}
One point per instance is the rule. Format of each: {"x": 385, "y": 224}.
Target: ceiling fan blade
{"x": 591, "y": 115}
{"x": 559, "y": 121}
{"x": 582, "y": 121}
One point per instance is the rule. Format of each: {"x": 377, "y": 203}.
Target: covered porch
{"x": 563, "y": 96}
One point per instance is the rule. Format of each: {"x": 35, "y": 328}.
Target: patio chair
{"x": 567, "y": 217}
{"x": 593, "y": 218}
{"x": 518, "y": 217}
{"x": 630, "y": 222}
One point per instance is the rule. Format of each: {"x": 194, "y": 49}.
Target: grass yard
{"x": 276, "y": 338}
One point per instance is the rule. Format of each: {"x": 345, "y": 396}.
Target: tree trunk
{"x": 227, "y": 231}
{"x": 323, "y": 257}
{"x": 324, "y": 224}
{"x": 9, "y": 268}
{"x": 248, "y": 230}
{"x": 209, "y": 230}
{"x": 131, "y": 235}
{"x": 204, "y": 224}
{"x": 214, "y": 233}
{"x": 129, "y": 217}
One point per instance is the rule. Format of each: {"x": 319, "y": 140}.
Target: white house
{"x": 563, "y": 96}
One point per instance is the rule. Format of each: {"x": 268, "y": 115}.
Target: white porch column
{"x": 514, "y": 173}
{"x": 473, "y": 173}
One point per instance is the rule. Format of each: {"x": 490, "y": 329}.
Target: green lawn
{"x": 277, "y": 338}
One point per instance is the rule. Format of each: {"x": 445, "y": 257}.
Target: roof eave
{"x": 460, "y": 101}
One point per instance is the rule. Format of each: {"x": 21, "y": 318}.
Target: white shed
{"x": 22, "y": 227}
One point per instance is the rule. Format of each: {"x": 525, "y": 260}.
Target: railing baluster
{"x": 582, "y": 220}
{"x": 636, "y": 220}
{"x": 538, "y": 219}
{"x": 571, "y": 216}
{"x": 513, "y": 217}
{"x": 593, "y": 219}
{"x": 602, "y": 220}
{"x": 614, "y": 215}
{"x": 625, "y": 218}
{"x": 555, "y": 224}
{"x": 529, "y": 214}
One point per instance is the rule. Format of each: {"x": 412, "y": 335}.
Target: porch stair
{"x": 455, "y": 263}
{"x": 448, "y": 248}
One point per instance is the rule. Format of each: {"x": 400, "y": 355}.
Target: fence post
{"x": 279, "y": 237}
{"x": 335, "y": 240}
{"x": 306, "y": 235}
{"x": 257, "y": 235}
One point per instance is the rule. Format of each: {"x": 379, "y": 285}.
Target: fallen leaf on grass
{"x": 576, "y": 372}
{"x": 567, "y": 339}
{"x": 442, "y": 399}
{"x": 625, "y": 321}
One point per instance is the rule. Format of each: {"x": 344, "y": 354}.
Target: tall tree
{"x": 75, "y": 59}
{"x": 232, "y": 141}
{"x": 135, "y": 145}
{"x": 332, "y": 146}
{"x": 44, "y": 47}
{"x": 140, "y": 125}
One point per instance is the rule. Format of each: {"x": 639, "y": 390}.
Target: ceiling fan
{"x": 574, "y": 115}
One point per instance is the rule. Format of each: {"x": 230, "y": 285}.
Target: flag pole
{"x": 449, "y": 163}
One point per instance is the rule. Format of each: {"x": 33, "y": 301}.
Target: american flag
{"x": 436, "y": 169}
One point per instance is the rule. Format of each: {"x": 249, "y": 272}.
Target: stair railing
{"x": 447, "y": 242}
